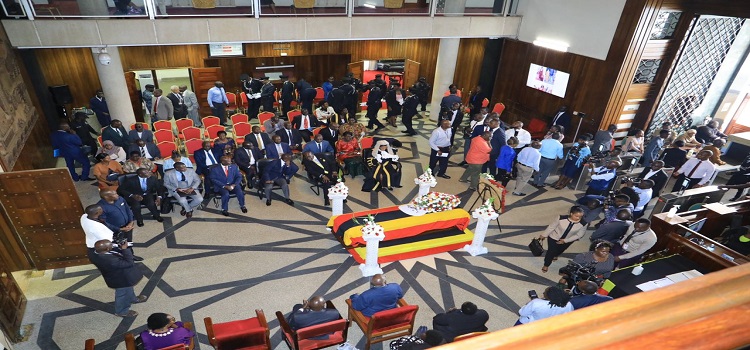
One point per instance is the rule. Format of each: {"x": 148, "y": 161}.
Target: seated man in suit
{"x": 322, "y": 171}
{"x": 311, "y": 312}
{"x": 331, "y": 133}
{"x": 291, "y": 136}
{"x": 182, "y": 184}
{"x": 462, "y": 321}
{"x": 318, "y": 145}
{"x": 272, "y": 125}
{"x": 381, "y": 296}
{"x": 277, "y": 148}
{"x": 260, "y": 140}
{"x": 117, "y": 134}
{"x": 246, "y": 158}
{"x": 141, "y": 189}
{"x": 305, "y": 123}
{"x": 146, "y": 150}
{"x": 204, "y": 158}
{"x": 589, "y": 296}
{"x": 141, "y": 133}
{"x": 656, "y": 174}
{"x": 227, "y": 179}
{"x": 279, "y": 172}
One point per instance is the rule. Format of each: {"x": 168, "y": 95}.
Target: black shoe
{"x": 445, "y": 176}
{"x": 518, "y": 194}
{"x": 326, "y": 203}
{"x": 462, "y": 163}
{"x": 182, "y": 212}
{"x": 137, "y": 258}
{"x": 244, "y": 209}
{"x": 88, "y": 179}
{"x": 159, "y": 219}
{"x": 290, "y": 202}
{"x": 140, "y": 223}
{"x": 399, "y": 186}
{"x": 390, "y": 188}
{"x": 225, "y": 213}
{"x": 268, "y": 202}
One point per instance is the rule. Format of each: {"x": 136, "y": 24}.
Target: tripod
{"x": 484, "y": 195}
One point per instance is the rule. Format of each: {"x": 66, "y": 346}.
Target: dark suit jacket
{"x": 478, "y": 130}
{"x": 674, "y": 157}
{"x": 243, "y": 160}
{"x": 266, "y": 139}
{"x": 132, "y": 185}
{"x": 306, "y": 318}
{"x": 456, "y": 122}
{"x": 314, "y": 171}
{"x": 374, "y": 97}
{"x": 119, "y": 271}
{"x": 660, "y": 179}
{"x": 326, "y": 132}
{"x": 563, "y": 121}
{"x": 271, "y": 152}
{"x": 611, "y": 231}
{"x": 68, "y": 144}
{"x": 152, "y": 150}
{"x": 296, "y": 137}
{"x": 449, "y": 101}
{"x": 180, "y": 111}
{"x": 312, "y": 146}
{"x": 454, "y": 323}
{"x": 219, "y": 179}
{"x": 497, "y": 141}
{"x": 200, "y": 161}
{"x": 287, "y": 91}
{"x": 110, "y": 134}
{"x": 274, "y": 171}
{"x": 146, "y": 135}
{"x": 99, "y": 107}
{"x": 297, "y": 121}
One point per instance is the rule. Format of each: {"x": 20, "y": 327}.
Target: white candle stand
{"x": 484, "y": 214}
{"x": 372, "y": 237}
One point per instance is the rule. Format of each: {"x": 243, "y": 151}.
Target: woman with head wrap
{"x": 385, "y": 170}
{"x": 163, "y": 332}
{"x": 115, "y": 153}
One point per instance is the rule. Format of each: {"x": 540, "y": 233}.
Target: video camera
{"x": 626, "y": 179}
{"x": 575, "y": 272}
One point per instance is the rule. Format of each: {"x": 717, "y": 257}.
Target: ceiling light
{"x": 552, "y": 44}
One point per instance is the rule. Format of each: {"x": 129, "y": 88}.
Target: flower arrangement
{"x": 339, "y": 189}
{"x": 496, "y": 188}
{"x": 434, "y": 202}
{"x": 426, "y": 178}
{"x": 486, "y": 210}
{"x": 370, "y": 228}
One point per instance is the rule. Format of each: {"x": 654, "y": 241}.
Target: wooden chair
{"x": 469, "y": 335}
{"x": 498, "y": 108}
{"x": 293, "y": 114}
{"x": 162, "y": 125}
{"x": 239, "y": 118}
{"x": 163, "y": 136}
{"x": 366, "y": 142}
{"x": 145, "y": 126}
{"x": 251, "y": 333}
{"x": 89, "y": 345}
{"x": 166, "y": 148}
{"x": 240, "y": 130}
{"x": 130, "y": 341}
{"x": 385, "y": 325}
{"x": 210, "y": 121}
{"x": 213, "y": 131}
{"x": 300, "y": 339}
{"x": 263, "y": 116}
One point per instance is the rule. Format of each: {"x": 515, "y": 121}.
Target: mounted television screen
{"x": 551, "y": 81}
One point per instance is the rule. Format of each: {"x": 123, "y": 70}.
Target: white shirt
{"x": 644, "y": 196}
{"x": 94, "y": 230}
{"x": 530, "y": 156}
{"x": 259, "y": 138}
{"x": 650, "y": 173}
{"x": 440, "y": 138}
{"x": 538, "y": 309}
{"x": 144, "y": 150}
{"x": 704, "y": 171}
{"x": 323, "y": 115}
{"x": 524, "y": 137}
{"x": 250, "y": 154}
{"x": 209, "y": 154}
{"x": 279, "y": 150}
{"x": 453, "y": 117}
{"x": 602, "y": 173}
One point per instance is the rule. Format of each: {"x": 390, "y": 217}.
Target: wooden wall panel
{"x": 72, "y": 67}
{"x": 148, "y": 57}
{"x": 469, "y": 63}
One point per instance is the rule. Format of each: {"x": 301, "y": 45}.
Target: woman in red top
{"x": 479, "y": 153}
{"x": 349, "y": 154}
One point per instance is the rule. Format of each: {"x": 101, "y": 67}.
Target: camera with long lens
{"x": 626, "y": 179}
{"x": 119, "y": 238}
{"x": 574, "y": 272}
{"x": 609, "y": 199}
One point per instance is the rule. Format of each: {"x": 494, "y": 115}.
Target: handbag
{"x": 536, "y": 247}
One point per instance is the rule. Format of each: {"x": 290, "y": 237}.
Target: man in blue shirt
{"x": 217, "y": 100}
{"x": 551, "y": 151}
{"x": 69, "y": 144}
{"x": 118, "y": 217}
{"x": 654, "y": 147}
{"x": 381, "y": 296}
{"x": 589, "y": 296}
{"x": 99, "y": 105}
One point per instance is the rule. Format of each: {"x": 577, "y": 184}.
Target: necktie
{"x": 226, "y": 171}
{"x": 516, "y": 134}
{"x": 156, "y": 103}
{"x": 333, "y": 134}
{"x": 486, "y": 128}
{"x": 143, "y": 152}
{"x": 118, "y": 132}
{"x": 210, "y": 156}
{"x": 320, "y": 148}
{"x": 260, "y": 141}
{"x": 289, "y": 133}
{"x": 250, "y": 155}
{"x": 304, "y": 122}
{"x": 182, "y": 176}
{"x": 143, "y": 184}
{"x": 690, "y": 175}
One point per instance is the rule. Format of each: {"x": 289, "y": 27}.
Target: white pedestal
{"x": 480, "y": 232}
{"x": 337, "y": 204}
{"x": 371, "y": 267}
{"x": 424, "y": 189}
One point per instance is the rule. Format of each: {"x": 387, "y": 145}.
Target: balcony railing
{"x": 153, "y": 9}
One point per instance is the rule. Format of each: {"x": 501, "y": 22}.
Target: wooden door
{"x": 411, "y": 73}
{"x": 204, "y": 79}
{"x": 740, "y": 122}
{"x": 357, "y": 69}
{"x": 135, "y": 96}
{"x": 44, "y": 212}
{"x": 12, "y": 303}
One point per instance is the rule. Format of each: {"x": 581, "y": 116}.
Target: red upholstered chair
{"x": 292, "y": 114}
{"x": 213, "y": 131}
{"x": 239, "y": 118}
{"x": 190, "y": 133}
{"x": 162, "y": 125}
{"x": 240, "y": 130}
{"x": 145, "y": 126}
{"x": 249, "y": 334}
{"x": 537, "y": 128}
{"x": 263, "y": 116}
{"x": 182, "y": 124}
{"x": 166, "y": 148}
{"x": 163, "y": 136}
{"x": 319, "y": 95}
{"x": 232, "y": 105}
{"x": 210, "y": 121}
{"x": 276, "y": 96}
{"x": 193, "y": 145}
{"x": 385, "y": 325}
{"x": 300, "y": 339}
{"x": 243, "y": 102}
{"x": 485, "y": 102}
{"x": 316, "y": 131}
{"x": 366, "y": 142}
{"x": 130, "y": 341}
{"x": 499, "y": 108}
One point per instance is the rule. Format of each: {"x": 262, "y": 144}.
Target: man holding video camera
{"x": 119, "y": 218}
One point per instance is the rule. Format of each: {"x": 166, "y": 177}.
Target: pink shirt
{"x": 479, "y": 152}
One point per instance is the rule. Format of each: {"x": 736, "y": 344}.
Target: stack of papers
{"x": 669, "y": 280}
{"x": 684, "y": 276}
